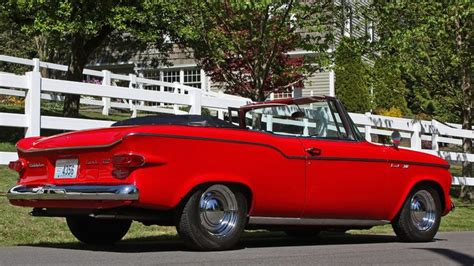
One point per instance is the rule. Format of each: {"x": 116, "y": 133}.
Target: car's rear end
{"x": 101, "y": 180}
{"x": 83, "y": 170}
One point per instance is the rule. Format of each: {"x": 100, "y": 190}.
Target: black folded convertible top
{"x": 187, "y": 120}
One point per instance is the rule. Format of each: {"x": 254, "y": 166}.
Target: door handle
{"x": 313, "y": 151}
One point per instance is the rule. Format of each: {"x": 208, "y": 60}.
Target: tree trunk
{"x": 42, "y": 49}
{"x": 467, "y": 104}
{"x": 74, "y": 73}
{"x": 466, "y": 192}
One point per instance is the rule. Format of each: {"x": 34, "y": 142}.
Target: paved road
{"x": 447, "y": 249}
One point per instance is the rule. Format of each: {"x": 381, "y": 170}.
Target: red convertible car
{"x": 296, "y": 165}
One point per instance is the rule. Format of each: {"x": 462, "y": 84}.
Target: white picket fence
{"x": 34, "y": 88}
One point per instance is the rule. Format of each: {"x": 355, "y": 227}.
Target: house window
{"x": 170, "y": 76}
{"x": 152, "y": 75}
{"x": 192, "y": 77}
{"x": 166, "y": 76}
{"x": 281, "y": 95}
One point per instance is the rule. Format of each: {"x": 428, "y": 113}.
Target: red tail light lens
{"x": 18, "y": 165}
{"x": 128, "y": 160}
{"x": 124, "y": 163}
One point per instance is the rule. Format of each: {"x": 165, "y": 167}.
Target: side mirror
{"x": 396, "y": 138}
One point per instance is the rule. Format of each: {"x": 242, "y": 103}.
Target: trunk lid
{"x": 87, "y": 152}
{"x": 95, "y": 138}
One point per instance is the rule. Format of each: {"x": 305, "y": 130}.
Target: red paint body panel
{"x": 341, "y": 186}
{"x": 402, "y": 180}
{"x": 349, "y": 179}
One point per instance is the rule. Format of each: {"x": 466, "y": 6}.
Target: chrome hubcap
{"x": 423, "y": 210}
{"x": 218, "y": 210}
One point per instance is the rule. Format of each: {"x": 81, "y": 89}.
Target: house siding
{"x": 317, "y": 84}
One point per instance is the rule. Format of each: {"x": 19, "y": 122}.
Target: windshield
{"x": 320, "y": 119}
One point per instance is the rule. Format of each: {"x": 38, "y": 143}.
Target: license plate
{"x": 66, "y": 168}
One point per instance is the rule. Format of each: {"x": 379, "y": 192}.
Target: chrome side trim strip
{"x": 314, "y": 221}
{"x": 74, "y": 192}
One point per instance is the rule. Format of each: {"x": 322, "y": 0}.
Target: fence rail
{"x": 425, "y": 136}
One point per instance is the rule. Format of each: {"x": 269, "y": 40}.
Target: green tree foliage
{"x": 388, "y": 87}
{"x": 352, "y": 78}
{"x": 433, "y": 43}
{"x": 14, "y": 43}
{"x": 75, "y": 29}
{"x": 243, "y": 45}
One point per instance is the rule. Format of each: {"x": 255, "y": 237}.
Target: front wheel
{"x": 97, "y": 232}
{"x": 213, "y": 218}
{"x": 419, "y": 219}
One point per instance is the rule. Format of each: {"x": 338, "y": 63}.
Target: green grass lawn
{"x": 7, "y": 146}
{"x": 17, "y": 227}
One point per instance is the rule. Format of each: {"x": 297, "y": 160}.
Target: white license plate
{"x": 66, "y": 168}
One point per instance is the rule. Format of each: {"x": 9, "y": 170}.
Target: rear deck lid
{"x": 84, "y": 139}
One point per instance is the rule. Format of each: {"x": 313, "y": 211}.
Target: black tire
{"x": 302, "y": 233}
{"x": 203, "y": 226}
{"x": 413, "y": 224}
{"x": 97, "y": 232}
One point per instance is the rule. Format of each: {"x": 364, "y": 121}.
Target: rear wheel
{"x": 96, "y": 231}
{"x": 213, "y": 218}
{"x": 419, "y": 219}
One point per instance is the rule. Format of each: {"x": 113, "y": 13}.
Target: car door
{"x": 279, "y": 171}
{"x": 345, "y": 177}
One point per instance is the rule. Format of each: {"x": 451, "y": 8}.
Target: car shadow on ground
{"x": 249, "y": 240}
{"x": 455, "y": 256}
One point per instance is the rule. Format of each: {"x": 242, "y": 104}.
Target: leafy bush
{"x": 392, "y": 112}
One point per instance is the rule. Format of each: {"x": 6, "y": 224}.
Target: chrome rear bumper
{"x": 74, "y": 192}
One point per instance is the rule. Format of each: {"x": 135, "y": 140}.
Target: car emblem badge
{"x": 36, "y": 165}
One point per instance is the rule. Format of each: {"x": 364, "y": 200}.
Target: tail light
{"x": 123, "y": 164}
{"x": 18, "y": 165}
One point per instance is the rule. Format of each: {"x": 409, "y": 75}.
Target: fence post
{"x": 141, "y": 87}
{"x": 368, "y": 128}
{"x": 105, "y": 100}
{"x": 202, "y": 77}
{"x": 415, "y": 142}
{"x": 306, "y": 127}
{"x": 36, "y": 65}
{"x": 269, "y": 123}
{"x": 162, "y": 88}
{"x": 33, "y": 104}
{"x": 220, "y": 113}
{"x": 133, "y": 107}
{"x": 434, "y": 135}
{"x": 176, "y": 91}
{"x": 195, "y": 102}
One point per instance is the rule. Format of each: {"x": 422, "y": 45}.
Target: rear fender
{"x": 188, "y": 187}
